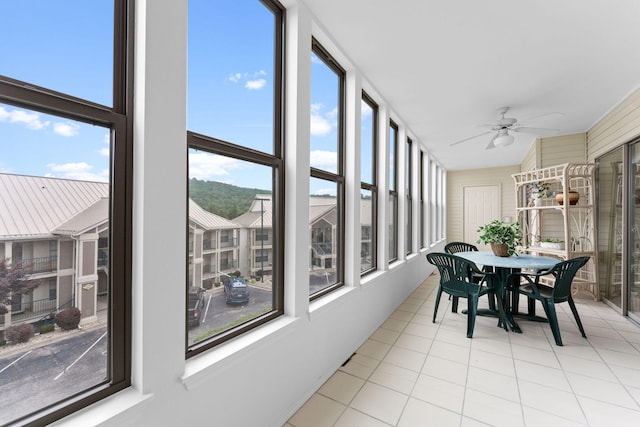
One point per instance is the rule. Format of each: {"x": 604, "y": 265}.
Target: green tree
{"x": 13, "y": 280}
{"x": 225, "y": 200}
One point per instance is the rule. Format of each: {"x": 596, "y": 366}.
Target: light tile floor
{"x": 412, "y": 372}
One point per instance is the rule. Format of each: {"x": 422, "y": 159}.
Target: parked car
{"x": 236, "y": 290}
{"x": 196, "y": 305}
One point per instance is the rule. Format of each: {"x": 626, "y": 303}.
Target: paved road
{"x": 53, "y": 371}
{"x": 219, "y": 313}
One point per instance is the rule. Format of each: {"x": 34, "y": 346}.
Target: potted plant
{"x": 539, "y": 191}
{"x": 502, "y": 237}
{"x": 552, "y": 243}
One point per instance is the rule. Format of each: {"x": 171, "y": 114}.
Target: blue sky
{"x": 67, "y": 46}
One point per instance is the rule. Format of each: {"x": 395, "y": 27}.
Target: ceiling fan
{"x": 504, "y": 125}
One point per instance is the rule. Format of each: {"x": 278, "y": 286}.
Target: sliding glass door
{"x": 633, "y": 290}
{"x": 619, "y": 228}
{"x": 610, "y": 230}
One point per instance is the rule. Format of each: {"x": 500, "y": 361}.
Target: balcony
{"x": 38, "y": 265}
{"x": 411, "y": 370}
{"x": 322, "y": 249}
{"x": 103, "y": 258}
{"x": 228, "y": 243}
{"x": 32, "y": 309}
{"x": 208, "y": 244}
{"x": 226, "y": 265}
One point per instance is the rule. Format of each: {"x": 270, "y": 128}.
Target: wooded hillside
{"x": 228, "y": 201}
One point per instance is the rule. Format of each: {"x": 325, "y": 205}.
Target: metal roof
{"x": 259, "y": 214}
{"x": 94, "y": 215}
{"x": 42, "y": 207}
{"x": 35, "y": 206}
{"x": 208, "y": 220}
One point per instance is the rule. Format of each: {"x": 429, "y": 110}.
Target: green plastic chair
{"x": 549, "y": 296}
{"x": 455, "y": 247}
{"x": 457, "y": 280}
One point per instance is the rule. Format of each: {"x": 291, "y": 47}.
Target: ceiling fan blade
{"x": 467, "y": 139}
{"x": 536, "y": 131}
{"x": 491, "y": 143}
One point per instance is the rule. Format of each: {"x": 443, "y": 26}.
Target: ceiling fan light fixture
{"x": 503, "y": 140}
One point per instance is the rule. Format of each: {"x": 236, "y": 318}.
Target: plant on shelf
{"x": 551, "y": 240}
{"x": 503, "y": 237}
{"x": 552, "y": 243}
{"x": 541, "y": 190}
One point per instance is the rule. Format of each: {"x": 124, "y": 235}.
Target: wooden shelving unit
{"x": 574, "y": 225}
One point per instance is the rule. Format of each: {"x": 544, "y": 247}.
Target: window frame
{"x": 118, "y": 119}
{"x": 372, "y": 186}
{"x": 273, "y": 160}
{"x": 393, "y": 190}
{"x": 408, "y": 185}
{"x": 423, "y": 185}
{"x": 338, "y": 178}
{"x": 441, "y": 202}
{"x": 53, "y": 290}
{"x": 433, "y": 218}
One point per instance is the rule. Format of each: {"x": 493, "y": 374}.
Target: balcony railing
{"x": 32, "y": 309}
{"x": 228, "y": 243}
{"x": 208, "y": 244}
{"x": 38, "y": 265}
{"x": 322, "y": 249}
{"x": 228, "y": 265}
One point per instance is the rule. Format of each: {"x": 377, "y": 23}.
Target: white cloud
{"x": 255, "y": 84}
{"x": 325, "y": 160}
{"x": 30, "y": 120}
{"x": 80, "y": 171}
{"x": 66, "y": 129}
{"x": 320, "y": 123}
{"x": 332, "y": 115}
{"x": 252, "y": 81}
{"x": 106, "y": 151}
{"x": 206, "y": 166}
{"x": 235, "y": 77}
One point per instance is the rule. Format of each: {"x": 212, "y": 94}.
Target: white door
{"x": 481, "y": 206}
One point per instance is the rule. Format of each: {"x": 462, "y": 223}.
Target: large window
{"x": 408, "y": 189}
{"x": 326, "y": 193}
{"x": 433, "y": 213}
{"x": 393, "y": 191}
{"x": 235, "y": 248}
{"x": 368, "y": 184}
{"x": 423, "y": 200}
{"x": 442, "y": 224}
{"x": 65, "y": 228}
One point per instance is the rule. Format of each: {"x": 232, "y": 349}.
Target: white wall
{"x": 457, "y": 180}
{"x": 619, "y": 126}
{"x": 261, "y": 378}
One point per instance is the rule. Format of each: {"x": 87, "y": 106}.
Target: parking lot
{"x": 43, "y": 374}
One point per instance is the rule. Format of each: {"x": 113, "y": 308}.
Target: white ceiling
{"x": 446, "y": 66}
